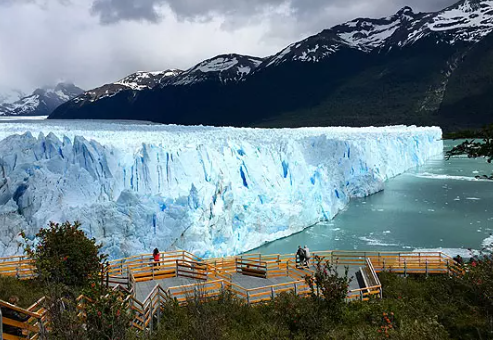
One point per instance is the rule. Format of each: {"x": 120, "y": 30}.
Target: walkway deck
{"x": 143, "y": 289}
{"x": 254, "y": 277}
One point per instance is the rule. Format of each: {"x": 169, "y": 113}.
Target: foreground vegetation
{"x": 416, "y": 307}
{"x": 483, "y": 147}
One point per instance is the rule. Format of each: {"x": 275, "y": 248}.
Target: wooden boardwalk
{"x": 254, "y": 278}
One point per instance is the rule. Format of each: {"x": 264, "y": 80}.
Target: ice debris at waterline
{"x": 212, "y": 191}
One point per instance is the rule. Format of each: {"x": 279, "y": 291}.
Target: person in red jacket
{"x": 156, "y": 255}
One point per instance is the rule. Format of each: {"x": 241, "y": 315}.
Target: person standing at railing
{"x": 13, "y": 315}
{"x": 156, "y": 256}
{"x": 300, "y": 253}
{"x": 307, "y": 255}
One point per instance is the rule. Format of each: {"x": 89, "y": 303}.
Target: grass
{"x": 28, "y": 291}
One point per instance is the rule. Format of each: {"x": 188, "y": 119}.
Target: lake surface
{"x": 439, "y": 206}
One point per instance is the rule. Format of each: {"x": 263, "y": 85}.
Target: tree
{"x": 107, "y": 315}
{"x": 475, "y": 149}
{"x": 63, "y": 254}
{"x": 328, "y": 286}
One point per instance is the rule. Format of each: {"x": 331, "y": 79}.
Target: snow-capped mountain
{"x": 229, "y": 68}
{"x": 41, "y": 102}
{"x": 361, "y": 34}
{"x": 137, "y": 81}
{"x": 466, "y": 21}
{"x": 397, "y": 69}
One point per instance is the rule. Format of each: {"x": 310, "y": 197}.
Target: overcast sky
{"x": 92, "y": 42}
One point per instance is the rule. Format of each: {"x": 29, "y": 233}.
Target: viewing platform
{"x": 254, "y": 278}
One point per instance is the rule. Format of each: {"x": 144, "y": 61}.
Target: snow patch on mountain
{"x": 146, "y": 80}
{"x": 137, "y": 81}
{"x": 469, "y": 20}
{"x": 223, "y": 68}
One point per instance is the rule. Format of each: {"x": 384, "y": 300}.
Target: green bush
{"x": 63, "y": 254}
{"x": 107, "y": 314}
{"x": 328, "y": 287}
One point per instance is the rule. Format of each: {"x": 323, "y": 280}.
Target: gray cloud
{"x": 111, "y": 11}
{"x": 92, "y": 42}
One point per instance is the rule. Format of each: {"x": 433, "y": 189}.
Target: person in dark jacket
{"x": 13, "y": 315}
{"x": 300, "y": 253}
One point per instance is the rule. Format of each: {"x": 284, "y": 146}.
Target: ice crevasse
{"x": 212, "y": 191}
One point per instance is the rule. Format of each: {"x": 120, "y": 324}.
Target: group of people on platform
{"x": 303, "y": 257}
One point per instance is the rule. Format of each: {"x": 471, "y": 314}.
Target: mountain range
{"x": 41, "y": 102}
{"x": 407, "y": 68}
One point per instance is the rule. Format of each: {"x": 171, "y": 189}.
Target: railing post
{"x": 361, "y": 295}
{"x": 248, "y": 297}
{"x": 426, "y": 263}
{"x": 383, "y": 264}
{"x": 448, "y": 268}
{"x": 42, "y": 330}
{"x": 405, "y": 268}
{"x": 295, "y": 289}
{"x": 151, "y": 314}
{"x": 1, "y": 325}
{"x": 107, "y": 275}
{"x": 272, "y": 293}
{"x": 158, "y": 319}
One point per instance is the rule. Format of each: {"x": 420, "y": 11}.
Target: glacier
{"x": 212, "y": 191}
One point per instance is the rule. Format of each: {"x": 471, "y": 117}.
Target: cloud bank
{"x": 92, "y": 42}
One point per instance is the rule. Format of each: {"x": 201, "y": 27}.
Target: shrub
{"x": 107, "y": 314}
{"x": 327, "y": 286}
{"x": 62, "y": 253}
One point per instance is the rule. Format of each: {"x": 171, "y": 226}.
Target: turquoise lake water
{"x": 439, "y": 206}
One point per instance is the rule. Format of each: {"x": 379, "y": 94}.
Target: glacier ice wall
{"x": 213, "y": 191}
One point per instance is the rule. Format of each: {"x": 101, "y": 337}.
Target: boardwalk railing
{"x": 33, "y": 328}
{"x": 216, "y": 275}
{"x": 16, "y": 266}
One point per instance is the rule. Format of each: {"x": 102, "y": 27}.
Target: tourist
{"x": 459, "y": 260}
{"x": 156, "y": 257}
{"x": 307, "y": 255}
{"x": 301, "y": 256}
{"x": 13, "y": 315}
